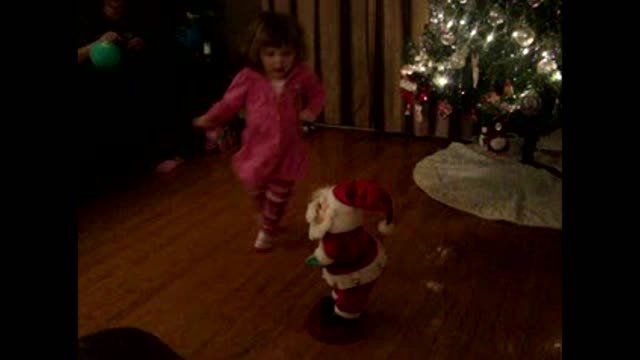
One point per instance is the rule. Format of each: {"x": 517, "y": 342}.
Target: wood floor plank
{"x": 171, "y": 254}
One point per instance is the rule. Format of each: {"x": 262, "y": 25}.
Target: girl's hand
{"x": 201, "y": 122}
{"x": 306, "y": 115}
{"x": 135, "y": 44}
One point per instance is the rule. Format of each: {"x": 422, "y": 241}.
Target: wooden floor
{"x": 171, "y": 255}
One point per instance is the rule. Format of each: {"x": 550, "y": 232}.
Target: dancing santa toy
{"x": 351, "y": 259}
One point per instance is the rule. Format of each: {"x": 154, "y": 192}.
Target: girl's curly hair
{"x": 274, "y": 30}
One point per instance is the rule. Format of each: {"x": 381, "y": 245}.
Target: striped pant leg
{"x": 276, "y": 198}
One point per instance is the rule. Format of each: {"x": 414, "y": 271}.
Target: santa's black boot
{"x": 327, "y": 326}
{"x": 326, "y": 306}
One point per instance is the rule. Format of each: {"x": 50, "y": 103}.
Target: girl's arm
{"x": 231, "y": 103}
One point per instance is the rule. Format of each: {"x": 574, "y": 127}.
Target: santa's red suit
{"x": 358, "y": 261}
{"x": 351, "y": 259}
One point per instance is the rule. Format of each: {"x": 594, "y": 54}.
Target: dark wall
{"x": 238, "y": 15}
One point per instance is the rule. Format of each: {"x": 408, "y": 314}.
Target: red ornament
{"x": 444, "y": 109}
{"x": 423, "y": 95}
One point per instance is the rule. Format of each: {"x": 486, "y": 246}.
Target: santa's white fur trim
{"x": 363, "y": 276}
{"x": 345, "y": 218}
{"x": 385, "y": 228}
{"x": 345, "y": 315}
{"x": 312, "y": 210}
{"x": 322, "y": 256}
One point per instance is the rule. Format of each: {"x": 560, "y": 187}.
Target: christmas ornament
{"x": 534, "y": 3}
{"x": 530, "y": 102}
{"x": 508, "y": 89}
{"x": 457, "y": 61}
{"x": 423, "y": 96}
{"x": 448, "y": 38}
{"x": 523, "y": 35}
{"x": 546, "y": 66}
{"x": 496, "y": 16}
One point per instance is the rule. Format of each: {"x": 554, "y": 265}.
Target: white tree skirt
{"x": 470, "y": 179}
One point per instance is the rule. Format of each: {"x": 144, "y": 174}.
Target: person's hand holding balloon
{"x": 135, "y": 44}
{"x": 110, "y": 37}
{"x": 105, "y": 53}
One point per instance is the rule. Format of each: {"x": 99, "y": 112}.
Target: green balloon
{"x": 104, "y": 54}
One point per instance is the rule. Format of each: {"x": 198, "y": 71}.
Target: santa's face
{"x": 323, "y": 212}
{"x": 326, "y": 214}
{"x": 319, "y": 214}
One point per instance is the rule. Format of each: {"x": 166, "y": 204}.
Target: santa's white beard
{"x": 312, "y": 211}
{"x": 317, "y": 230}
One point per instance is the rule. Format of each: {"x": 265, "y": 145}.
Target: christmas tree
{"x": 487, "y": 59}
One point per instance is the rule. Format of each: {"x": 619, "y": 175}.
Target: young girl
{"x": 277, "y": 91}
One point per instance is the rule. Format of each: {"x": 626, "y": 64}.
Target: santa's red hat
{"x": 367, "y": 196}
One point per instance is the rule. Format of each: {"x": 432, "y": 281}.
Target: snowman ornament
{"x": 495, "y": 137}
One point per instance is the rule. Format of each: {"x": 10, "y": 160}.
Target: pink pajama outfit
{"x": 273, "y": 155}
